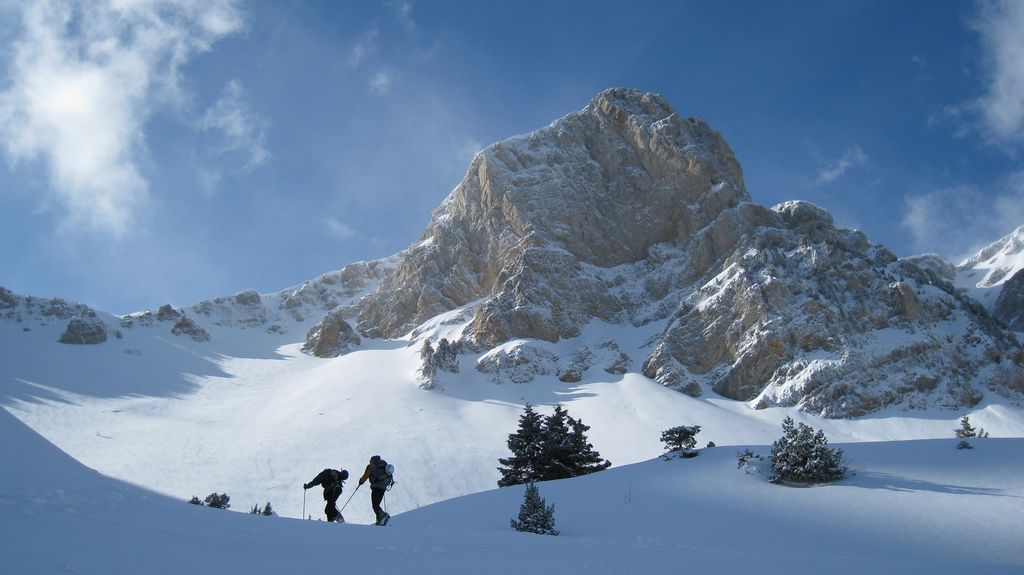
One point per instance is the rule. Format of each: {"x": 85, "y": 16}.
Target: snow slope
{"x": 191, "y": 421}
{"x": 912, "y": 507}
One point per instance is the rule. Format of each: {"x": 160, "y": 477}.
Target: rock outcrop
{"x": 332, "y": 337}
{"x": 86, "y": 330}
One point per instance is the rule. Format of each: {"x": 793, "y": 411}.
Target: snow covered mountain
{"x": 993, "y": 275}
{"x": 606, "y": 262}
{"x": 629, "y": 214}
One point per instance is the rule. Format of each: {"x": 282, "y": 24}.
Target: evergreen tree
{"x": 966, "y": 430}
{"x": 556, "y": 447}
{"x": 802, "y": 455}
{"x": 680, "y": 437}
{"x": 545, "y": 448}
{"x": 524, "y": 444}
{"x": 267, "y": 510}
{"x": 195, "y": 501}
{"x": 584, "y": 459}
{"x": 218, "y": 501}
{"x": 255, "y": 510}
{"x": 534, "y": 515}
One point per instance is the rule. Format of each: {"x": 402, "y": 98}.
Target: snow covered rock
{"x": 519, "y": 362}
{"x": 332, "y": 337}
{"x": 185, "y": 326}
{"x": 86, "y": 330}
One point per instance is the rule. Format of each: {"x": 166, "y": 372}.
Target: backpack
{"x": 334, "y": 487}
{"x": 382, "y": 474}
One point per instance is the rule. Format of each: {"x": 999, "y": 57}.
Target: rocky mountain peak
{"x": 598, "y": 187}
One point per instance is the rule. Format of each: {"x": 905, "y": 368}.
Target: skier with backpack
{"x": 332, "y": 481}
{"x": 381, "y": 478}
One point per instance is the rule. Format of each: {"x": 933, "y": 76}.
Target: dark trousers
{"x": 376, "y": 498}
{"x": 331, "y": 509}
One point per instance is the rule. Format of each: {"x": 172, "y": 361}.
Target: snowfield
{"x": 911, "y": 507}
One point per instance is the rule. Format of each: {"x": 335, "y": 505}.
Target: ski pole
{"x": 350, "y": 498}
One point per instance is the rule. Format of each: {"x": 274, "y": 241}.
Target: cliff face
{"x": 534, "y": 215}
{"x": 627, "y": 213}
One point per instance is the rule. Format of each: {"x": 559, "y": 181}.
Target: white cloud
{"x": 243, "y": 134}
{"x": 381, "y": 82}
{"x": 402, "y": 10}
{"x": 1000, "y": 24}
{"x": 364, "y": 47}
{"x": 340, "y": 230}
{"x": 83, "y": 79}
{"x": 854, "y": 157}
{"x": 957, "y": 221}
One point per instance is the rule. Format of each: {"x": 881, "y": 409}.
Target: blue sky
{"x": 168, "y": 151}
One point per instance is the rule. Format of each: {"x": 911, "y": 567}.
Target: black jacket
{"x": 332, "y": 481}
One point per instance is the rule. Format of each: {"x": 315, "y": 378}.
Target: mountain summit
{"x": 627, "y": 213}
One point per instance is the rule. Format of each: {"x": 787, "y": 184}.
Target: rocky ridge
{"x": 629, "y": 214}
{"x": 278, "y": 313}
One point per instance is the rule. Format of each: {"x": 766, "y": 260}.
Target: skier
{"x": 332, "y": 481}
{"x": 379, "y": 473}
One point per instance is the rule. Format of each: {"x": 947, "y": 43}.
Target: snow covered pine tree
{"x": 534, "y": 515}
{"x": 803, "y": 456}
{"x": 552, "y": 447}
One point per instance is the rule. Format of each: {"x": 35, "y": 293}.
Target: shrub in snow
{"x": 218, "y": 501}
{"x": 264, "y": 511}
{"x": 544, "y": 448}
{"x": 195, "y": 501}
{"x": 802, "y": 455}
{"x": 534, "y": 515}
{"x": 751, "y": 463}
{"x": 680, "y": 437}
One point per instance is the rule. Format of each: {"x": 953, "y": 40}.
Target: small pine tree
{"x": 195, "y": 501}
{"x": 802, "y": 455}
{"x": 256, "y": 510}
{"x": 534, "y": 515}
{"x": 267, "y": 510}
{"x": 680, "y": 437}
{"x": 965, "y": 430}
{"x": 218, "y": 501}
